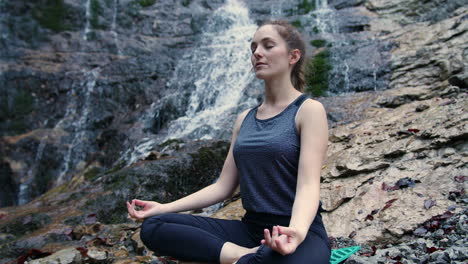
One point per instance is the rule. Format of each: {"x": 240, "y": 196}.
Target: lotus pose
{"x": 276, "y": 156}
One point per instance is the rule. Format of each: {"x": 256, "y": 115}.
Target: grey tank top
{"x": 266, "y": 153}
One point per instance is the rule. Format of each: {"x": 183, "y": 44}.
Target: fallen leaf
{"x": 461, "y": 179}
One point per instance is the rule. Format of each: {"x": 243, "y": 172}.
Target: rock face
{"x": 405, "y": 163}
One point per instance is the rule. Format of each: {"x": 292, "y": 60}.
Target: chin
{"x": 261, "y": 75}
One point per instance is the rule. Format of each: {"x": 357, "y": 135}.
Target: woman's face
{"x": 270, "y": 55}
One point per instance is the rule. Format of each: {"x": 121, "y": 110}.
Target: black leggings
{"x": 197, "y": 238}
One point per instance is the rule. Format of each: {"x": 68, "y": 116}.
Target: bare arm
{"x": 214, "y": 193}
{"x": 314, "y": 141}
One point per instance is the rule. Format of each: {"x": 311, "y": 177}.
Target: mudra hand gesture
{"x": 150, "y": 208}
{"x": 283, "y": 240}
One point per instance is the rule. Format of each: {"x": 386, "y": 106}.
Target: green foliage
{"x": 146, "y": 3}
{"x": 51, "y": 15}
{"x": 95, "y": 10}
{"x": 297, "y": 24}
{"x": 305, "y": 7}
{"x": 317, "y": 71}
{"x": 186, "y": 2}
{"x": 318, "y": 43}
{"x": 316, "y": 30}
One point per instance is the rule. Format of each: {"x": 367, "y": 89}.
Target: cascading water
{"x": 325, "y": 19}
{"x": 87, "y": 29}
{"x": 221, "y": 64}
{"x": 277, "y": 9}
{"x": 76, "y": 151}
{"x": 23, "y": 193}
{"x": 350, "y": 72}
{"x": 114, "y": 33}
{"x": 215, "y": 73}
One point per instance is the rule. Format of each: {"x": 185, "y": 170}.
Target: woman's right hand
{"x": 150, "y": 208}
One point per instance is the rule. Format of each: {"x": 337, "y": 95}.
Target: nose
{"x": 257, "y": 53}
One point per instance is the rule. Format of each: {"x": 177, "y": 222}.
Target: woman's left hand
{"x": 283, "y": 240}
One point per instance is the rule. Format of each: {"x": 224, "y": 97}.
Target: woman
{"x": 276, "y": 155}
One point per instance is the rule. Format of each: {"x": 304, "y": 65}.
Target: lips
{"x": 260, "y": 64}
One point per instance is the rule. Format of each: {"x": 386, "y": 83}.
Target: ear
{"x": 294, "y": 56}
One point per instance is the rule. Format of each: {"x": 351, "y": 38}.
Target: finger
{"x": 274, "y": 232}
{"x": 274, "y": 236}
{"x": 287, "y": 231}
{"x": 281, "y": 247}
{"x": 266, "y": 233}
{"x": 130, "y": 210}
{"x": 139, "y": 202}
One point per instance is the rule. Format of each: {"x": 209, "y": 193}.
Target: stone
{"x": 64, "y": 256}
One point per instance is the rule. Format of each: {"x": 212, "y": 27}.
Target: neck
{"x": 279, "y": 91}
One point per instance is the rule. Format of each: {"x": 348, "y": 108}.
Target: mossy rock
{"x": 51, "y": 14}
{"x": 194, "y": 167}
{"x": 92, "y": 173}
{"x": 26, "y": 224}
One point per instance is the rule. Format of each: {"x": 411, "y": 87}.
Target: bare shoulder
{"x": 311, "y": 109}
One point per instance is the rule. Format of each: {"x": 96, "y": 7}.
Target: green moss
{"x": 315, "y": 30}
{"x": 186, "y": 2}
{"x": 318, "y": 43}
{"x": 26, "y": 224}
{"x": 297, "y": 24}
{"x": 95, "y": 10}
{"x": 146, "y": 3}
{"x": 305, "y": 6}
{"x": 317, "y": 71}
{"x": 92, "y": 173}
{"x": 169, "y": 142}
{"x": 51, "y": 15}
{"x": 117, "y": 167}
{"x": 205, "y": 167}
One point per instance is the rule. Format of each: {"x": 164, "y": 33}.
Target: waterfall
{"x": 325, "y": 18}
{"x": 113, "y": 28}
{"x": 23, "y": 193}
{"x": 346, "y": 76}
{"x": 215, "y": 73}
{"x": 218, "y": 69}
{"x": 76, "y": 152}
{"x": 276, "y": 10}
{"x": 87, "y": 29}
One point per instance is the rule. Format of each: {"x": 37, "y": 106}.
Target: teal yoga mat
{"x": 340, "y": 254}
